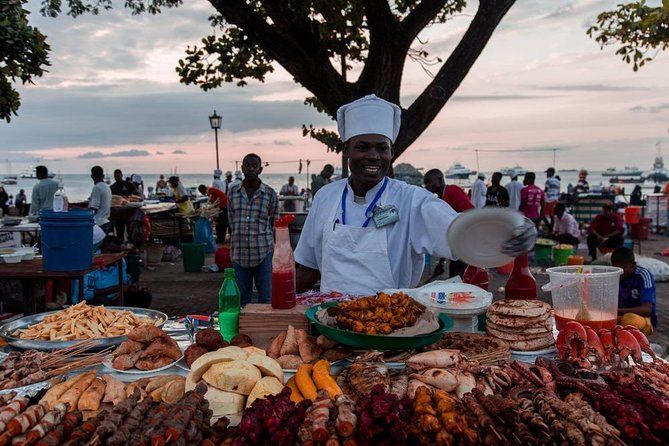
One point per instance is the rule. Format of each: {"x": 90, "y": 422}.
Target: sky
{"x": 112, "y": 97}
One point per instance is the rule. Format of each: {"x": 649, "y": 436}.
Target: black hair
{"x": 117, "y": 171}
{"x": 560, "y": 206}
{"x": 41, "y": 171}
{"x": 97, "y": 172}
{"x": 531, "y": 177}
{"x": 202, "y": 187}
{"x": 253, "y": 155}
{"x": 622, "y": 256}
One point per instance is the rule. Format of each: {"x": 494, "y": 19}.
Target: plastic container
{"x": 223, "y": 259}
{"x": 283, "y": 266}
{"x": 193, "y": 256}
{"x": 228, "y": 306}
{"x": 588, "y": 294}
{"x": 67, "y": 239}
{"x": 521, "y": 283}
{"x": 476, "y": 276}
{"x": 575, "y": 260}
{"x": 543, "y": 254}
{"x": 561, "y": 255}
{"x": 632, "y": 214}
{"x": 641, "y": 230}
{"x": 60, "y": 201}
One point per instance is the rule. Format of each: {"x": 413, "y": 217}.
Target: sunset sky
{"x": 112, "y": 97}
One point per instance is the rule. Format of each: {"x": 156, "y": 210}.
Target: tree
{"x": 637, "y": 28}
{"x": 306, "y": 37}
{"x": 23, "y": 54}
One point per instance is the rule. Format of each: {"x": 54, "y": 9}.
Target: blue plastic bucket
{"x": 67, "y": 240}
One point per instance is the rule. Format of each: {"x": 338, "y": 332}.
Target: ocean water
{"x": 78, "y": 187}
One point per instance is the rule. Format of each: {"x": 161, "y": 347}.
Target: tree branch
{"x": 419, "y": 18}
{"x": 428, "y": 105}
{"x": 299, "y": 51}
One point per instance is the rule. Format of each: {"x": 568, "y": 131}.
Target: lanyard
{"x": 370, "y": 209}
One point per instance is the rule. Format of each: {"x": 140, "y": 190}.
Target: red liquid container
{"x": 474, "y": 275}
{"x": 521, "y": 283}
{"x": 283, "y": 267}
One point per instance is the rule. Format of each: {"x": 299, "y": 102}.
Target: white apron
{"x": 355, "y": 260}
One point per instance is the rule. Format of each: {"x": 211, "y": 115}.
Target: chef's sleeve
{"x": 308, "y": 250}
{"x": 430, "y": 219}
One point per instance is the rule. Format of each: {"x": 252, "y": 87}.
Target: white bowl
{"x": 28, "y": 254}
{"x": 12, "y": 258}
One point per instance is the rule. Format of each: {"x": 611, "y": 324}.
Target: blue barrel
{"x": 67, "y": 239}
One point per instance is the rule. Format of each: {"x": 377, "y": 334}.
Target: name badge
{"x": 385, "y": 215}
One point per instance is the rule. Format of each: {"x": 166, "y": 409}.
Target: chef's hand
{"x": 523, "y": 239}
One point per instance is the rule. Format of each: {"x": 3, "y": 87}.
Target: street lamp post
{"x": 215, "y": 122}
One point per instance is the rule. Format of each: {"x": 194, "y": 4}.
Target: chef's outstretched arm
{"x": 430, "y": 219}
{"x": 306, "y": 278}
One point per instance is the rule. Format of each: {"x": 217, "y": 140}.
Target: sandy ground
{"x": 178, "y": 293}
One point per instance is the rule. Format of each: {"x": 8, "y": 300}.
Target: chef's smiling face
{"x": 369, "y": 159}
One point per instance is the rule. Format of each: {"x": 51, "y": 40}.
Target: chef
{"x": 370, "y": 232}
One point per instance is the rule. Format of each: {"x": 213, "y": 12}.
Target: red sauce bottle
{"x": 521, "y": 283}
{"x": 283, "y": 266}
{"x": 474, "y": 275}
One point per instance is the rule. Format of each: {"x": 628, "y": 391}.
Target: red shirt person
{"x": 456, "y": 198}
{"x": 531, "y": 199}
{"x": 605, "y": 231}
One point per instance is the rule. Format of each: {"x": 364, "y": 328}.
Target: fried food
{"x": 83, "y": 321}
{"x": 162, "y": 346}
{"x": 380, "y": 314}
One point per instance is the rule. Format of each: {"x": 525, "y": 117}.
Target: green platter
{"x": 374, "y": 342}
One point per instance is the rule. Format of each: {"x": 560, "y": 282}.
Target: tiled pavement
{"x": 178, "y": 293}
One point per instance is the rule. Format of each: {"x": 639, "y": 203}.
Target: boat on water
{"x": 627, "y": 171}
{"x": 515, "y": 171}
{"x": 9, "y": 180}
{"x": 458, "y": 171}
{"x": 32, "y": 175}
{"x": 658, "y": 174}
{"x": 627, "y": 180}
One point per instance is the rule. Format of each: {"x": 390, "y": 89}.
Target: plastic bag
{"x": 205, "y": 234}
{"x": 102, "y": 279}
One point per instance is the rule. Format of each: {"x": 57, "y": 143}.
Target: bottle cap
{"x": 284, "y": 221}
{"x": 229, "y": 272}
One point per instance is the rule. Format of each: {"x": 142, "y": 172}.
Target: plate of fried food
{"x": 147, "y": 350}
{"x": 105, "y": 326}
{"x": 381, "y": 322}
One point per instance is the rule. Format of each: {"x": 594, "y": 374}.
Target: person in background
{"x": 636, "y": 196}
{"x": 532, "y": 199}
{"x": 323, "y": 178}
{"x": 237, "y": 180}
{"x": 228, "y": 180}
{"x": 552, "y": 194}
{"x": 43, "y": 191}
{"x": 456, "y": 197}
{"x": 289, "y": 190}
{"x": 214, "y": 193}
{"x": 514, "y": 187}
{"x": 636, "y": 293}
{"x": 478, "y": 192}
{"x": 4, "y": 201}
{"x": 657, "y": 189}
{"x": 496, "y": 195}
{"x": 161, "y": 185}
{"x": 218, "y": 183}
{"x": 582, "y": 187}
{"x": 20, "y": 202}
{"x": 100, "y": 200}
{"x": 565, "y": 227}
{"x": 137, "y": 181}
{"x": 122, "y": 187}
{"x": 606, "y": 231}
{"x": 180, "y": 196}
{"x": 253, "y": 207}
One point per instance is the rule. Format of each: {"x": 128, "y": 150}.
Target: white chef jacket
{"x": 423, "y": 222}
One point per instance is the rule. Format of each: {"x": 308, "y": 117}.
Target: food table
{"x": 132, "y": 214}
{"x": 12, "y": 236}
{"x": 30, "y": 271}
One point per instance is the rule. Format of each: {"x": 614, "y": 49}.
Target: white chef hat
{"x": 369, "y": 115}
{"x": 218, "y": 173}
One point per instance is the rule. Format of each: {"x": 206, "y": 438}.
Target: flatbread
{"x": 519, "y": 336}
{"x": 518, "y": 322}
{"x": 532, "y": 330}
{"x": 527, "y": 346}
{"x": 520, "y": 308}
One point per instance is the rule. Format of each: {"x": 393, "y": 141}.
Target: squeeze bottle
{"x": 521, "y": 283}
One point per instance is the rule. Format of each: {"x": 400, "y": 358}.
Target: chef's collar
{"x": 369, "y": 196}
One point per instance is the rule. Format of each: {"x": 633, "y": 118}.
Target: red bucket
{"x": 223, "y": 259}
{"x": 632, "y": 214}
{"x": 505, "y": 269}
{"x": 640, "y": 230}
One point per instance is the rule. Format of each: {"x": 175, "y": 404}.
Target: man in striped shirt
{"x": 253, "y": 208}
{"x": 636, "y": 295}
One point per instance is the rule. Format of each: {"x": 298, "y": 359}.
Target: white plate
{"x": 545, "y": 351}
{"x": 133, "y": 371}
{"x": 476, "y": 236}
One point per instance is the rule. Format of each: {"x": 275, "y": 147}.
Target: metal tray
{"x": 25, "y": 344}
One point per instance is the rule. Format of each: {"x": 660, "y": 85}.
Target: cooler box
{"x": 67, "y": 239}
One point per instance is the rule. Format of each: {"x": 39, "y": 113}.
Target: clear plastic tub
{"x": 588, "y": 294}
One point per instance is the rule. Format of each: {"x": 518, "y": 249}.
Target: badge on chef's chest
{"x": 385, "y": 215}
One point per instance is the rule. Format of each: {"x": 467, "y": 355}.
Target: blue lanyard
{"x": 370, "y": 209}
